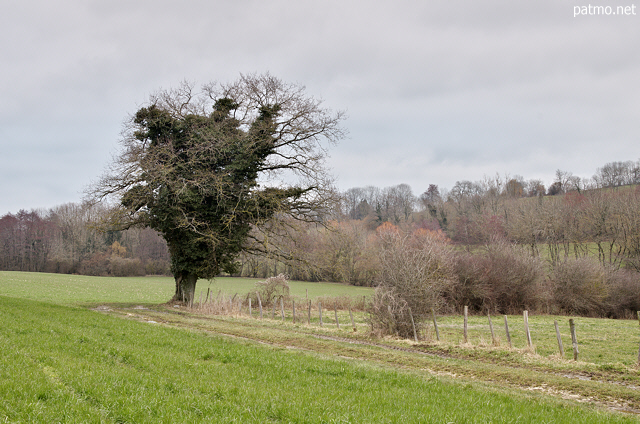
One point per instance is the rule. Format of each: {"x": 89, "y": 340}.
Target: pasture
{"x": 100, "y": 350}
{"x": 81, "y": 289}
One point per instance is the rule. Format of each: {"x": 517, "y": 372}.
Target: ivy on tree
{"x": 208, "y": 169}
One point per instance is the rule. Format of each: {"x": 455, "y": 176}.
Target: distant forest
{"x": 65, "y": 239}
{"x": 572, "y": 217}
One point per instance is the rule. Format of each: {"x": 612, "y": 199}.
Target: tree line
{"x": 574, "y": 218}
{"x": 575, "y": 248}
{"x": 65, "y": 239}
{"x": 497, "y": 247}
{"x": 598, "y": 218}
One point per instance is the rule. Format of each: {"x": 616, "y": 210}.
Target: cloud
{"x": 435, "y": 91}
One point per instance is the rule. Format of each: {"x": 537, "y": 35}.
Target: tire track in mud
{"x": 618, "y": 405}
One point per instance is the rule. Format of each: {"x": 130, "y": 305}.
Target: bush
{"x": 125, "y": 267}
{"x": 96, "y": 265}
{"x": 157, "y": 267}
{"x": 471, "y": 288}
{"x": 580, "y": 287}
{"x": 415, "y": 271}
{"x": 505, "y": 278}
{"x": 60, "y": 266}
{"x": 586, "y": 287}
{"x": 623, "y": 300}
{"x": 270, "y": 290}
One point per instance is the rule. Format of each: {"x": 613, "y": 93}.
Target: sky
{"x": 435, "y": 91}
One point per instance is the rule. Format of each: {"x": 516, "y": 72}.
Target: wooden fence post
{"x": 320, "y": 312}
{"x": 282, "y": 307}
{"x": 435, "y": 323}
{"x": 335, "y": 308}
{"x": 259, "y": 304}
{"x": 309, "y": 315}
{"x": 525, "y": 315}
{"x": 293, "y": 302}
{"x": 466, "y": 313}
{"x": 574, "y": 339}
{"x": 413, "y": 324}
{"x": 506, "y": 329}
{"x": 560, "y": 347}
{"x": 493, "y": 336}
{"x": 353, "y": 323}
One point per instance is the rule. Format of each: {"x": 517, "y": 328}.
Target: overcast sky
{"x": 435, "y": 91}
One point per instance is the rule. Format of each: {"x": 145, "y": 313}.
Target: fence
{"x": 302, "y": 311}
{"x": 234, "y": 305}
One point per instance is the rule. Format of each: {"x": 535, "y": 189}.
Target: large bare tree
{"x": 210, "y": 168}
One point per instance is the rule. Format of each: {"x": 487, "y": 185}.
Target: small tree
{"x": 194, "y": 167}
{"x": 415, "y": 271}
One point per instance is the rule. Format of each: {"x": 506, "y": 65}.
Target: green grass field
{"x": 605, "y": 342}
{"x": 80, "y": 289}
{"x": 62, "y": 361}
{"x": 65, "y": 364}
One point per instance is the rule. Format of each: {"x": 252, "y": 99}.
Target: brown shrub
{"x": 270, "y": 290}
{"x": 415, "y": 271}
{"x": 60, "y": 266}
{"x": 471, "y": 288}
{"x": 623, "y": 300}
{"x": 504, "y": 278}
{"x": 96, "y": 265}
{"x": 125, "y": 267}
{"x": 157, "y": 267}
{"x": 580, "y": 287}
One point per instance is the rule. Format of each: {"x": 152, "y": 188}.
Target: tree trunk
{"x": 185, "y": 288}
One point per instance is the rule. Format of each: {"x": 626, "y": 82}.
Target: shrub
{"x": 504, "y": 278}
{"x": 270, "y": 290}
{"x": 623, "y": 300}
{"x": 157, "y": 267}
{"x": 125, "y": 267}
{"x": 580, "y": 287}
{"x": 514, "y": 277}
{"x": 415, "y": 271}
{"x": 471, "y": 288}
{"x": 60, "y": 266}
{"x": 96, "y": 265}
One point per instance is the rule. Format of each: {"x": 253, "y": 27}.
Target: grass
{"x": 605, "y": 342}
{"x": 515, "y": 369}
{"x": 62, "y": 361}
{"x": 79, "y": 289}
{"x": 69, "y": 364}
